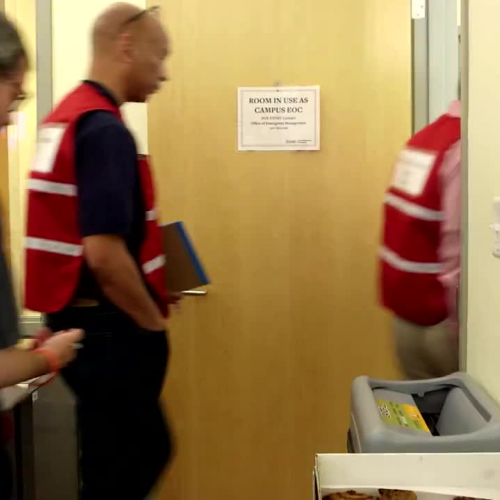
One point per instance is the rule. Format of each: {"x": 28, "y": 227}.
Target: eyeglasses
{"x": 136, "y": 17}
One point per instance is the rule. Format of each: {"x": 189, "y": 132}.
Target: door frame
{"x": 464, "y": 79}
{"x": 435, "y": 42}
{"x": 44, "y": 57}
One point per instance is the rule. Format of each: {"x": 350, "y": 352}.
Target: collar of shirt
{"x": 455, "y": 109}
{"x": 103, "y": 91}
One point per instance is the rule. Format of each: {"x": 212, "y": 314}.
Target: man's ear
{"x": 126, "y": 47}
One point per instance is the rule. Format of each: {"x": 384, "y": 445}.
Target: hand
{"x": 42, "y": 336}
{"x": 63, "y": 345}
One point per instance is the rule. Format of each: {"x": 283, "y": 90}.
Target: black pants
{"x": 5, "y": 474}
{"x": 117, "y": 379}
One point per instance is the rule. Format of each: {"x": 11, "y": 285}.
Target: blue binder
{"x": 184, "y": 269}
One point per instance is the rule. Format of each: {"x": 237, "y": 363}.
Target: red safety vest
{"x": 410, "y": 265}
{"x": 54, "y": 248}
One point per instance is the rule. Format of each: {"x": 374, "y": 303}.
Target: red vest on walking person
{"x": 54, "y": 247}
{"x": 410, "y": 265}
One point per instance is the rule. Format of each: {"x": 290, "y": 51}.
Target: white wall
{"x": 483, "y": 294}
{"x": 71, "y": 25}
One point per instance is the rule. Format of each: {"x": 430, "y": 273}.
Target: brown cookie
{"x": 348, "y": 495}
{"x": 397, "y": 495}
{"x": 467, "y": 498}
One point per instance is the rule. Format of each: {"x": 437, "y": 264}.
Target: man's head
{"x": 13, "y": 67}
{"x": 130, "y": 48}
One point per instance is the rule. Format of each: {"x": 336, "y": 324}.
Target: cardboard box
{"x": 474, "y": 475}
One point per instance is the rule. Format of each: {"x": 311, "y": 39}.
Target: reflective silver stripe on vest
{"x": 52, "y": 246}
{"x": 151, "y": 215}
{"x": 412, "y": 209}
{"x": 52, "y": 187}
{"x": 154, "y": 264}
{"x": 395, "y": 261}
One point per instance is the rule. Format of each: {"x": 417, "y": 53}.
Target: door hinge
{"x": 418, "y": 9}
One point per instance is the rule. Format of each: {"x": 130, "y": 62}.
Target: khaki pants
{"x": 425, "y": 352}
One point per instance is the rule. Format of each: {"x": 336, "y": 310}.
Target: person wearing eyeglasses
{"x": 19, "y": 365}
{"x": 94, "y": 256}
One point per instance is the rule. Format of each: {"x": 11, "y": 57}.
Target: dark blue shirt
{"x": 109, "y": 190}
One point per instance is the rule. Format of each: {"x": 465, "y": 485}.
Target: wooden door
{"x": 262, "y": 367}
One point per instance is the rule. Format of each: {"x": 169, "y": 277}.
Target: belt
{"x": 85, "y": 303}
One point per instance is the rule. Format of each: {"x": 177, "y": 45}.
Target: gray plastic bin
{"x": 451, "y": 414}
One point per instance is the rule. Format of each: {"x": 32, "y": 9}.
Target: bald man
{"x": 94, "y": 256}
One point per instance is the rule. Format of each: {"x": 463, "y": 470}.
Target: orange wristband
{"x": 50, "y": 358}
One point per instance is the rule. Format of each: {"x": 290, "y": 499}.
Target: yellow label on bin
{"x": 402, "y": 415}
